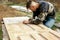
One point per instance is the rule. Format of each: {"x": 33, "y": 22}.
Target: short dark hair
{"x": 28, "y": 4}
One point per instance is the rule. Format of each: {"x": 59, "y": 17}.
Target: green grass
{"x": 0, "y": 32}
{"x": 57, "y": 20}
{"x": 58, "y": 17}
{"x": 19, "y": 4}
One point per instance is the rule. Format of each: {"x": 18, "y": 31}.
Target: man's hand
{"x": 26, "y": 21}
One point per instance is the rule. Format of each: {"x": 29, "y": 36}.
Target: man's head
{"x": 32, "y": 5}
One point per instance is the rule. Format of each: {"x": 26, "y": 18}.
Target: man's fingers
{"x": 26, "y": 22}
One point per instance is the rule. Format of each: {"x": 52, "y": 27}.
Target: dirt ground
{"x": 6, "y": 11}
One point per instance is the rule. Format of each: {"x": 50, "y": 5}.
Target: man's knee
{"x": 50, "y": 23}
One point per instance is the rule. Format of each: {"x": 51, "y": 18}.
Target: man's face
{"x": 32, "y": 8}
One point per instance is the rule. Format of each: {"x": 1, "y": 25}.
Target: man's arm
{"x": 38, "y": 19}
{"x": 42, "y": 16}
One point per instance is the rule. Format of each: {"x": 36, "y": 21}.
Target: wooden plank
{"x": 11, "y": 31}
{"x": 32, "y": 32}
{"x": 5, "y": 34}
{"x": 52, "y": 36}
{"x": 22, "y": 30}
{"x": 50, "y": 30}
{"x": 26, "y": 37}
{"x": 37, "y": 28}
{"x": 15, "y": 30}
{"x": 47, "y": 35}
{"x": 26, "y": 29}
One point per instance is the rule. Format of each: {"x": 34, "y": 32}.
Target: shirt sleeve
{"x": 42, "y": 16}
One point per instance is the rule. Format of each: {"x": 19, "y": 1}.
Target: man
{"x": 43, "y": 12}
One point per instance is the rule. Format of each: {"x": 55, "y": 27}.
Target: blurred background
{"x": 6, "y": 10}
